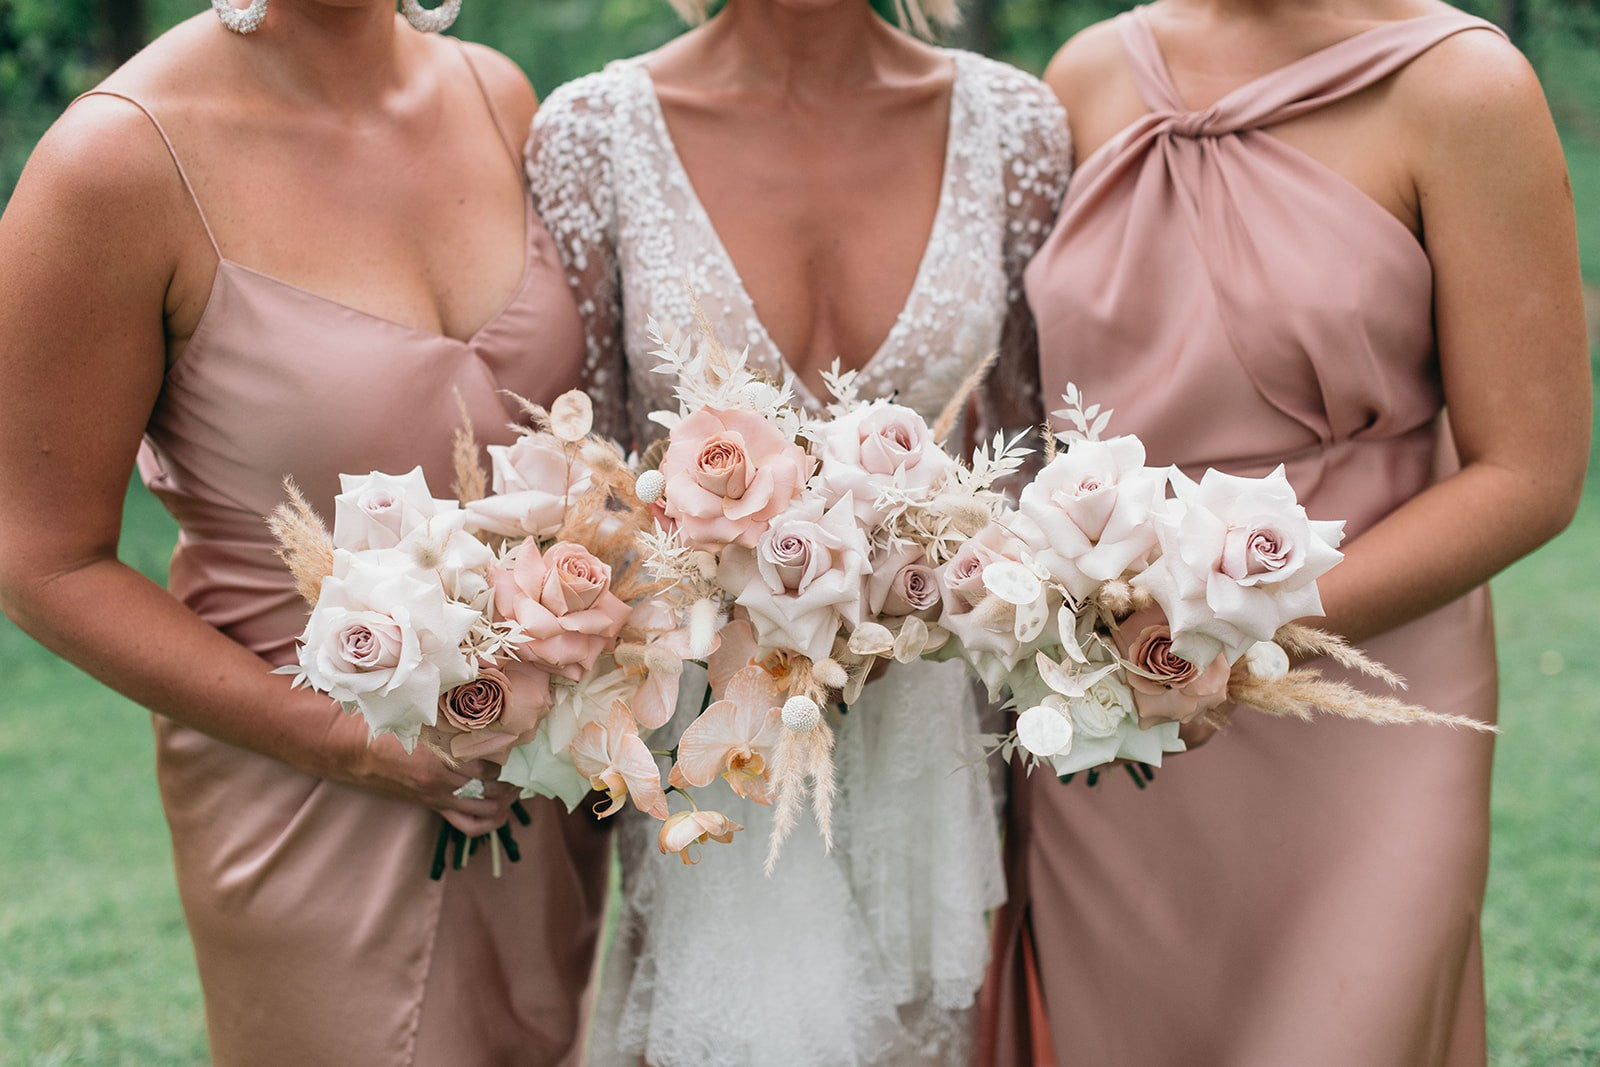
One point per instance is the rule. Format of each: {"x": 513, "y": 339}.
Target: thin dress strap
{"x": 1311, "y": 82}
{"x": 494, "y": 113}
{"x": 183, "y": 175}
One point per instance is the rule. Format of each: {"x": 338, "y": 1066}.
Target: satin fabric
{"x": 318, "y": 935}
{"x": 1292, "y": 892}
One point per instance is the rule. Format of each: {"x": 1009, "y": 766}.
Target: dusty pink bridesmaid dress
{"x": 1291, "y": 893}
{"x": 319, "y": 937}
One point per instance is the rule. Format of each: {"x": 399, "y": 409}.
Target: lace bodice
{"x": 610, "y": 186}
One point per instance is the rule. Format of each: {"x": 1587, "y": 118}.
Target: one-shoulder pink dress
{"x": 319, "y": 937}
{"x": 1291, "y": 893}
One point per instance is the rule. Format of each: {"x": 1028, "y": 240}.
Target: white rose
{"x": 443, "y": 545}
{"x": 385, "y": 639}
{"x": 378, "y": 510}
{"x": 533, "y": 481}
{"x": 1086, "y": 517}
{"x": 803, "y": 580}
{"x": 1239, "y": 558}
{"x": 876, "y": 445}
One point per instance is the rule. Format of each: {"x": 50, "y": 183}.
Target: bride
{"x": 832, "y": 188}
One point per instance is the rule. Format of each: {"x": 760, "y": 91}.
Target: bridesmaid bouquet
{"x": 1113, "y": 613}
{"x": 801, "y": 551}
{"x": 512, "y": 622}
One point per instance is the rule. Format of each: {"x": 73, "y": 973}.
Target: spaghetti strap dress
{"x": 319, "y": 937}
{"x": 1292, "y": 893}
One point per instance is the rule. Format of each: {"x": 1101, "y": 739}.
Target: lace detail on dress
{"x": 873, "y": 953}
{"x": 609, "y": 184}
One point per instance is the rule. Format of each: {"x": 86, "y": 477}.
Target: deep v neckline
{"x": 467, "y": 344}
{"x": 680, "y": 173}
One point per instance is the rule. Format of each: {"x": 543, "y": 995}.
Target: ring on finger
{"x": 472, "y": 789}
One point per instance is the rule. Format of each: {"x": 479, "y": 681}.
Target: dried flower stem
{"x": 471, "y": 483}
{"x": 303, "y": 542}
{"x": 1300, "y": 694}
{"x": 946, "y": 422}
{"x": 1303, "y": 642}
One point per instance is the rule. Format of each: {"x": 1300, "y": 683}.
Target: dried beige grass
{"x": 804, "y": 765}
{"x": 1304, "y": 642}
{"x": 1301, "y": 694}
{"x": 471, "y": 480}
{"x": 304, "y": 544}
{"x": 945, "y": 424}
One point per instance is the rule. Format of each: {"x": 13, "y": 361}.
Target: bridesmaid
{"x": 285, "y": 250}
{"x": 1301, "y": 234}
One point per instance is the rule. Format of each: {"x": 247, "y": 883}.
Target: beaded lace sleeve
{"x": 1036, "y": 153}
{"x": 568, "y": 160}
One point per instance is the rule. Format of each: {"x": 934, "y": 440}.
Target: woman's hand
{"x": 420, "y": 777}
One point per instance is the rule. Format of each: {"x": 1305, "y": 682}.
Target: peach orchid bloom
{"x": 682, "y": 831}
{"x": 618, "y": 763}
{"x": 735, "y": 737}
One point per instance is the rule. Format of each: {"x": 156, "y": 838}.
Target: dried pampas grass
{"x": 304, "y": 544}
{"x": 945, "y": 424}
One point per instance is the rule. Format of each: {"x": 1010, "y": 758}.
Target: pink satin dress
{"x": 1290, "y": 893}
{"x": 319, "y": 937}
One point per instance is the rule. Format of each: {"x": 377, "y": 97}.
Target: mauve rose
{"x": 1251, "y": 550}
{"x": 487, "y": 717}
{"x": 901, "y": 583}
{"x": 563, "y": 603}
{"x": 1176, "y": 689}
{"x": 728, "y": 474}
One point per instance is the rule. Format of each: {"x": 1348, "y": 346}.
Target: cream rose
{"x": 533, "y": 481}
{"x": 877, "y": 445}
{"x": 1086, "y": 518}
{"x": 386, "y": 640}
{"x": 378, "y": 510}
{"x": 1239, "y": 558}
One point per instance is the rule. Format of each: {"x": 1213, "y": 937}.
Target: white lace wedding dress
{"x": 873, "y": 953}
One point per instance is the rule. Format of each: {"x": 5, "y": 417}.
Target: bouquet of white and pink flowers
{"x": 802, "y": 551}
{"x": 511, "y": 623}
{"x": 1113, "y": 613}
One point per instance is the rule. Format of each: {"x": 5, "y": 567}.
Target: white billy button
{"x": 650, "y": 487}
{"x": 801, "y": 715}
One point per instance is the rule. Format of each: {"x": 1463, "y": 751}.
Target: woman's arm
{"x": 91, "y": 246}
{"x": 1497, "y": 220}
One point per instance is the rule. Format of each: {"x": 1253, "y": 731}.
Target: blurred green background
{"x": 95, "y": 965}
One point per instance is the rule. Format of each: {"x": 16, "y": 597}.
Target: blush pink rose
{"x": 729, "y": 473}
{"x": 534, "y": 481}
{"x": 562, "y": 599}
{"x": 1166, "y": 687}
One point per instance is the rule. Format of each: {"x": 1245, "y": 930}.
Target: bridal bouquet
{"x": 506, "y": 623}
{"x": 1113, "y": 613}
{"x": 801, "y": 551}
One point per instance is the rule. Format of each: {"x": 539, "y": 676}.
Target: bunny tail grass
{"x": 1303, "y": 642}
{"x": 471, "y": 483}
{"x": 303, "y": 542}
{"x": 1301, "y": 694}
{"x": 946, "y": 422}
{"x": 788, "y": 782}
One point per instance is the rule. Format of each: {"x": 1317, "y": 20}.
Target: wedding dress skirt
{"x": 870, "y": 953}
